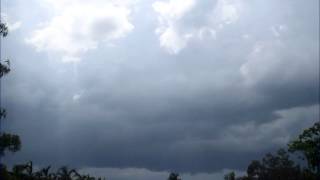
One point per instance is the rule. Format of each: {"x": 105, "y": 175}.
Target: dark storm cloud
{"x": 215, "y": 105}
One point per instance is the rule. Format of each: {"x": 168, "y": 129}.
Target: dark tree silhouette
{"x": 174, "y": 176}
{"x": 308, "y": 143}
{"x": 44, "y": 173}
{"x": 230, "y": 176}
{"x": 3, "y": 30}
{"x": 276, "y": 167}
{"x": 64, "y": 173}
{"x": 279, "y": 166}
{"x": 8, "y": 142}
{"x": 27, "y": 172}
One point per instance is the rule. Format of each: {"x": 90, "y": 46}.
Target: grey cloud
{"x": 139, "y": 107}
{"x": 141, "y": 174}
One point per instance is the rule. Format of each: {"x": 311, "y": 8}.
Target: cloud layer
{"x": 219, "y": 84}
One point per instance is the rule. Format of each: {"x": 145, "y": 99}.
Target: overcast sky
{"x": 134, "y": 89}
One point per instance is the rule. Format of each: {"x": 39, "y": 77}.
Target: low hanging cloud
{"x": 78, "y": 27}
{"x": 175, "y": 30}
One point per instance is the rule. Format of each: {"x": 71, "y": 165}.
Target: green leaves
{"x": 308, "y": 143}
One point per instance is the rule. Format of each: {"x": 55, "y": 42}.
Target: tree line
{"x": 305, "y": 149}
{"x": 280, "y": 166}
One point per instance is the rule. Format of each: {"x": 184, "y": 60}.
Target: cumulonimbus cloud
{"x": 78, "y": 26}
{"x": 175, "y": 32}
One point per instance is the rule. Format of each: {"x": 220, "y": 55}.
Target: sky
{"x": 135, "y": 89}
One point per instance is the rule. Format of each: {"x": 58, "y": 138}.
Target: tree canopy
{"x": 279, "y": 166}
{"x": 308, "y": 143}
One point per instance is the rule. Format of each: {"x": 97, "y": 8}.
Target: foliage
{"x": 174, "y": 176}
{"x": 4, "y": 68}
{"x": 308, "y": 143}
{"x": 279, "y": 166}
{"x": 230, "y": 176}
{"x": 3, "y": 30}
{"x": 274, "y": 166}
{"x": 27, "y": 172}
{"x": 9, "y": 142}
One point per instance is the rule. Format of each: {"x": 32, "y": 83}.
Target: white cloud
{"x": 12, "y": 26}
{"x": 173, "y": 9}
{"x": 173, "y": 41}
{"x": 169, "y": 13}
{"x": 278, "y": 30}
{"x": 76, "y": 97}
{"x": 175, "y": 34}
{"x": 281, "y": 59}
{"x": 226, "y": 12}
{"x": 79, "y": 26}
{"x": 206, "y": 32}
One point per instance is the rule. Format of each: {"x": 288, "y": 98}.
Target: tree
{"x": 255, "y": 169}
{"x": 174, "y": 176}
{"x": 279, "y": 166}
{"x": 65, "y": 174}
{"x": 273, "y": 167}
{"x": 308, "y": 143}
{"x": 4, "y": 68}
{"x": 230, "y": 176}
{"x": 44, "y": 173}
{"x": 8, "y": 142}
{"x": 3, "y": 30}
{"x": 27, "y": 172}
